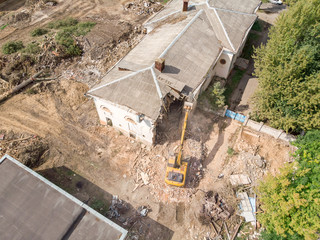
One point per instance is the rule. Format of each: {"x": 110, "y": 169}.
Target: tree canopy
{"x": 291, "y": 200}
{"x": 288, "y": 68}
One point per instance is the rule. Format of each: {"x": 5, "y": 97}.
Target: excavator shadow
{"x": 118, "y": 211}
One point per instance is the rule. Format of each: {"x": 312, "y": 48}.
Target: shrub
{"x": 32, "y": 48}
{"x": 65, "y": 40}
{"x": 39, "y": 32}
{"x": 84, "y": 28}
{"x": 290, "y": 201}
{"x": 214, "y": 95}
{"x": 230, "y": 151}
{"x": 65, "y": 36}
{"x": 63, "y": 23}
{"x": 12, "y": 47}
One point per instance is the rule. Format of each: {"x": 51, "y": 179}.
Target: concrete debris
{"x": 117, "y": 208}
{"x": 259, "y": 161}
{"x": 2, "y": 136}
{"x": 221, "y": 175}
{"x": 143, "y": 210}
{"x": 143, "y": 7}
{"x": 240, "y": 179}
{"x": 51, "y": 4}
{"x": 145, "y": 178}
{"x": 247, "y": 207}
{"x": 214, "y": 208}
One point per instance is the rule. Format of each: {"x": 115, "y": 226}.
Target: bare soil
{"x": 95, "y": 163}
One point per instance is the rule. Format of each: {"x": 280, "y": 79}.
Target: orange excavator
{"x": 177, "y": 168}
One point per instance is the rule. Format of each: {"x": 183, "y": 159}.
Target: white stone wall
{"x": 125, "y": 120}
{"x": 223, "y": 70}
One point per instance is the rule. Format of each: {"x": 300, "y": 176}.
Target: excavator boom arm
{"x": 178, "y": 162}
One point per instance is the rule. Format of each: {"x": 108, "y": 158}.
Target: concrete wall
{"x": 276, "y": 133}
{"x": 125, "y": 120}
{"x": 223, "y": 70}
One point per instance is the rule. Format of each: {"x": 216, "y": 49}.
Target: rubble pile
{"x": 197, "y": 151}
{"x": 31, "y": 150}
{"x": 124, "y": 214}
{"x": 150, "y": 171}
{"x": 214, "y": 208}
{"x": 143, "y": 7}
{"x": 254, "y": 165}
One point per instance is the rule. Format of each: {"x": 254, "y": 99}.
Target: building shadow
{"x": 117, "y": 210}
{"x": 11, "y": 5}
{"x": 171, "y": 69}
{"x": 220, "y": 140}
{"x": 272, "y": 8}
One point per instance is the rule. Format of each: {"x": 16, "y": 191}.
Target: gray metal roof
{"x": 31, "y": 207}
{"x": 190, "y": 42}
{"x": 240, "y": 6}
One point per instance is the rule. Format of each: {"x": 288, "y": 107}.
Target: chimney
{"x": 185, "y": 5}
{"x": 159, "y": 64}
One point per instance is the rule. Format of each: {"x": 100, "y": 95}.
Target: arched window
{"x": 130, "y": 120}
{"x": 104, "y": 108}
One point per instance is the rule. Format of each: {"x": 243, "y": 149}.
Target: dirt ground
{"x": 96, "y": 163}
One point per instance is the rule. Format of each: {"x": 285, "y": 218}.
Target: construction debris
{"x": 117, "y": 208}
{"x": 143, "y": 7}
{"x": 143, "y": 210}
{"x": 31, "y": 150}
{"x": 240, "y": 179}
{"x": 214, "y": 208}
{"x": 247, "y": 207}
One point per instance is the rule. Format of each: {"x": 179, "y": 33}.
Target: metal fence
{"x": 236, "y": 116}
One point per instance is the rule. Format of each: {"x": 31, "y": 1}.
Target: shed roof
{"x": 190, "y": 42}
{"x": 34, "y": 208}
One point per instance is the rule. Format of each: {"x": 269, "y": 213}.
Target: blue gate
{"x": 237, "y": 116}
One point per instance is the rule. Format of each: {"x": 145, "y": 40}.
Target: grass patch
{"x": 257, "y": 26}
{"x": 12, "y": 47}
{"x": 230, "y": 151}
{"x": 32, "y": 48}
{"x": 68, "y": 29}
{"x": 248, "y": 47}
{"x": 63, "y": 23}
{"x": 100, "y": 206}
{"x": 31, "y": 91}
{"x": 235, "y": 79}
{"x": 39, "y": 32}
{"x": 4, "y": 26}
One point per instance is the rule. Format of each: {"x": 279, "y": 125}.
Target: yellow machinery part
{"x": 176, "y": 171}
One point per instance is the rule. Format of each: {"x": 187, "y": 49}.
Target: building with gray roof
{"x": 189, "y": 46}
{"x": 34, "y": 208}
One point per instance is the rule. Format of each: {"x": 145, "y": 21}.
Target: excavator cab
{"x": 177, "y": 168}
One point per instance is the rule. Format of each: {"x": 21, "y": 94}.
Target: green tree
{"x": 214, "y": 95}
{"x": 291, "y": 200}
{"x": 288, "y": 68}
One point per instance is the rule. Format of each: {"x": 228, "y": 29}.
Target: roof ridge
{"x": 223, "y": 28}
{"x": 181, "y": 33}
{"x": 119, "y": 79}
{"x": 228, "y": 10}
{"x": 156, "y": 82}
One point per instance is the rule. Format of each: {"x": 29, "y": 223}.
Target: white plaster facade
{"x": 126, "y": 120}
